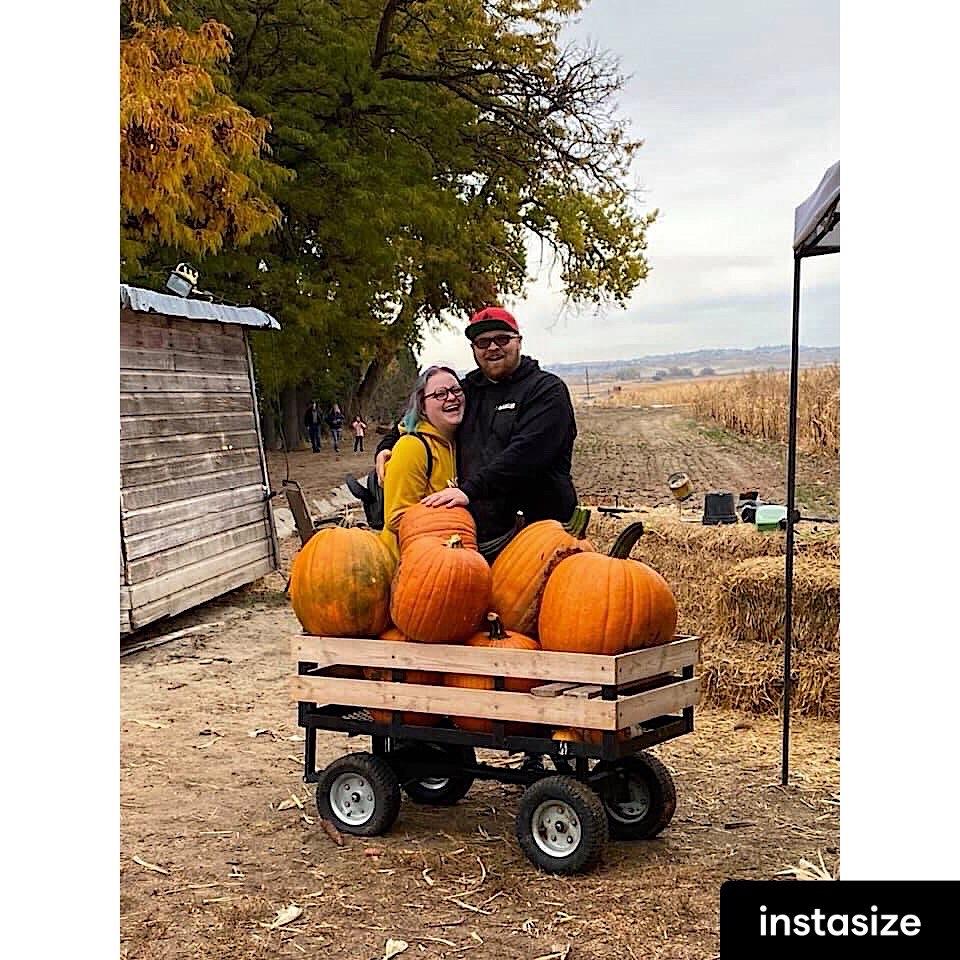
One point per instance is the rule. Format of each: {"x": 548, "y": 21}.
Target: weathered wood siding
{"x": 193, "y": 518}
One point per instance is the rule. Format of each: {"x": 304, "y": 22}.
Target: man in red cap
{"x": 515, "y": 443}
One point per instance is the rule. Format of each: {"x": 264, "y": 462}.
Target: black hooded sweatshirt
{"x": 514, "y": 448}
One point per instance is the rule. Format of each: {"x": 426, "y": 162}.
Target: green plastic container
{"x": 770, "y": 516}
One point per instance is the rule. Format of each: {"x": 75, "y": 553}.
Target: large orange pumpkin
{"x": 408, "y": 676}
{"x": 340, "y": 583}
{"x": 494, "y": 636}
{"x": 443, "y": 522}
{"x": 520, "y": 573}
{"x": 441, "y": 591}
{"x": 607, "y": 604}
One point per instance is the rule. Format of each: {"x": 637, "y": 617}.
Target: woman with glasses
{"x": 433, "y": 415}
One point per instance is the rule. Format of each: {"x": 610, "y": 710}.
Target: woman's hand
{"x": 451, "y": 497}
{"x": 381, "y": 464}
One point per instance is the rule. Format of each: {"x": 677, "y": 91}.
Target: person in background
{"x": 335, "y": 420}
{"x": 516, "y": 441}
{"x": 359, "y": 428}
{"x": 433, "y": 415}
{"x": 312, "y": 420}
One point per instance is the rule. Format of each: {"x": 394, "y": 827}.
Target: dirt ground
{"x": 219, "y": 832}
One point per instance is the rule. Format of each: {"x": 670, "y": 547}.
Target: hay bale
{"x": 742, "y": 662}
{"x": 748, "y": 675}
{"x": 749, "y": 602}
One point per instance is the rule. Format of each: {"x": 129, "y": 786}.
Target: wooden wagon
{"x": 195, "y": 516}
{"x": 610, "y": 710}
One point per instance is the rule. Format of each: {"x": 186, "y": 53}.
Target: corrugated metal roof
{"x": 150, "y": 301}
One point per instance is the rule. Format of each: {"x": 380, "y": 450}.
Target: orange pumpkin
{"x": 340, "y": 583}
{"x": 441, "y": 591}
{"x": 520, "y": 572}
{"x": 587, "y": 735}
{"x": 494, "y": 636}
{"x": 443, "y": 522}
{"x": 607, "y": 604}
{"x": 409, "y": 676}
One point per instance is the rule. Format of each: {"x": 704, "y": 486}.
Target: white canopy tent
{"x": 816, "y": 231}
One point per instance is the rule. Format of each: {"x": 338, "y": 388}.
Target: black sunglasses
{"x": 501, "y": 340}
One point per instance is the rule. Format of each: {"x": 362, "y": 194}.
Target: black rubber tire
{"x": 453, "y": 790}
{"x": 385, "y": 792}
{"x": 591, "y": 821}
{"x": 650, "y": 776}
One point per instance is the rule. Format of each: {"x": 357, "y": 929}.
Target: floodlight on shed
{"x": 183, "y": 279}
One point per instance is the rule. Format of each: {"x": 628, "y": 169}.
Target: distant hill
{"x": 696, "y": 363}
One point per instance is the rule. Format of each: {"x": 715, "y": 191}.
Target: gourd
{"x": 606, "y": 604}
{"x": 441, "y": 591}
{"x": 443, "y": 522}
{"x": 520, "y": 572}
{"x": 340, "y": 583}
{"x": 494, "y": 636}
{"x": 411, "y": 717}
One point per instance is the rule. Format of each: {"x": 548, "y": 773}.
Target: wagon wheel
{"x": 639, "y": 796}
{"x": 439, "y": 791}
{"x": 359, "y": 794}
{"x": 561, "y": 825}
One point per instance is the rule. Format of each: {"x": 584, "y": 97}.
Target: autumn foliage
{"x": 192, "y": 170}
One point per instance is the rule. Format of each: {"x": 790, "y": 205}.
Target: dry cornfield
{"x": 755, "y": 404}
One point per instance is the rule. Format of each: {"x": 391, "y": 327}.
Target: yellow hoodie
{"x": 406, "y": 482}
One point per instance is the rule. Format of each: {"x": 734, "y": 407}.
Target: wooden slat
{"x": 158, "y": 564}
{"x": 587, "y": 690}
{"x": 656, "y": 703}
{"x": 185, "y": 577}
{"x": 126, "y": 626}
{"x": 178, "y": 468}
{"x": 492, "y": 704}
{"x": 160, "y": 425}
{"x": 125, "y": 598}
{"x": 139, "y": 358}
{"x": 195, "y": 508}
{"x": 168, "y": 491}
{"x": 179, "y": 534}
{"x": 163, "y": 448}
{"x": 682, "y": 652}
{"x": 192, "y": 336}
{"x": 201, "y": 592}
{"x": 160, "y": 382}
{"x": 145, "y": 404}
{"x": 486, "y": 661}
{"x": 552, "y": 689}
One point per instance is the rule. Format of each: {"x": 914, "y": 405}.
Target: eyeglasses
{"x": 501, "y": 340}
{"x": 443, "y": 393}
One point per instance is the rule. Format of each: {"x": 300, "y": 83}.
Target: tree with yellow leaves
{"x": 193, "y": 173}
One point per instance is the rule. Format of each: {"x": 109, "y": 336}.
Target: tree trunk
{"x": 268, "y": 426}
{"x": 291, "y": 416}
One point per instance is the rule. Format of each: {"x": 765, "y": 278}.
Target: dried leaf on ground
{"x": 287, "y": 915}
{"x": 393, "y": 948}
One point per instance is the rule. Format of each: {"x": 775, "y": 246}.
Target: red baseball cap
{"x": 491, "y": 318}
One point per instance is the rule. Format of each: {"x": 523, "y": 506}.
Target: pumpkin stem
{"x": 520, "y": 522}
{"x": 581, "y": 531}
{"x": 495, "y": 629}
{"x": 571, "y": 525}
{"x": 455, "y": 541}
{"x": 627, "y": 540}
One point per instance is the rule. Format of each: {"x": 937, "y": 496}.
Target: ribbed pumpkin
{"x": 607, "y": 604}
{"x": 443, "y": 522}
{"x": 340, "y": 583}
{"x": 520, "y": 573}
{"x": 494, "y": 636}
{"x": 409, "y": 676}
{"x": 586, "y": 735}
{"x": 441, "y": 591}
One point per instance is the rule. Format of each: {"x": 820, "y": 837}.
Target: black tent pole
{"x": 791, "y": 479}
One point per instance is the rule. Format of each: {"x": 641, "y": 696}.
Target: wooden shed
{"x": 195, "y": 514}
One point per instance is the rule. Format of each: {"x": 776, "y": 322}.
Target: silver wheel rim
{"x": 636, "y": 807}
{"x": 434, "y": 783}
{"x": 556, "y": 828}
{"x": 352, "y": 798}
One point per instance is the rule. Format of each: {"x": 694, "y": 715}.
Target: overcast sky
{"x": 738, "y": 105}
